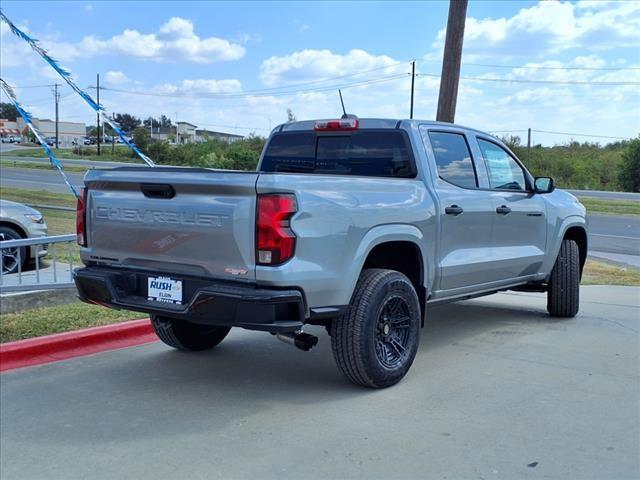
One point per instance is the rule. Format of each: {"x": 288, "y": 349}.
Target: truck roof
{"x": 373, "y": 123}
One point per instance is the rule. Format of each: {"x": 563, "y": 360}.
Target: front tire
{"x": 376, "y": 341}
{"x": 187, "y": 336}
{"x": 12, "y": 258}
{"x": 563, "y": 292}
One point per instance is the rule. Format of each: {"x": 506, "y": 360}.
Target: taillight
{"x": 81, "y": 216}
{"x": 340, "y": 124}
{"x": 275, "y": 242}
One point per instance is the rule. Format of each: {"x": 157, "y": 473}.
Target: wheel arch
{"x": 397, "y": 247}
{"x": 14, "y": 226}
{"x": 578, "y": 234}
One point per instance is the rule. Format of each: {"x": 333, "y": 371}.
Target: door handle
{"x": 503, "y": 210}
{"x": 453, "y": 210}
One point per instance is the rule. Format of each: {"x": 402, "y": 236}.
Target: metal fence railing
{"x": 53, "y": 270}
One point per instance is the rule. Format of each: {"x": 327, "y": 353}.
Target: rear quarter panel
{"x": 340, "y": 220}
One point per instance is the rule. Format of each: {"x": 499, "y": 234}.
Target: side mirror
{"x": 544, "y": 185}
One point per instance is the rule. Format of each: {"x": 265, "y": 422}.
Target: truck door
{"x": 466, "y": 213}
{"x": 520, "y": 224}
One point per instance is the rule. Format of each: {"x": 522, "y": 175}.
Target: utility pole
{"x": 529, "y": 145}
{"x": 56, "y": 95}
{"x": 98, "y": 113}
{"x": 413, "y": 79}
{"x": 113, "y": 139}
{"x": 451, "y": 61}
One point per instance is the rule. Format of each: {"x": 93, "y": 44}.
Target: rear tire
{"x": 376, "y": 341}
{"x": 563, "y": 293}
{"x": 187, "y": 336}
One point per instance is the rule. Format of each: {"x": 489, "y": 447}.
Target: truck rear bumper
{"x": 206, "y": 302}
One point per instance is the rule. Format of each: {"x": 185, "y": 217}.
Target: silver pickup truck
{"x": 353, "y": 224}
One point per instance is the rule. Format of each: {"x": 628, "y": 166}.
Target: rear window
{"x": 372, "y": 153}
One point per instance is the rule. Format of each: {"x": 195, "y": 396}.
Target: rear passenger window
{"x": 453, "y": 159}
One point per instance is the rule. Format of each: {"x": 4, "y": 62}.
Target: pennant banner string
{"x": 66, "y": 76}
{"x": 26, "y": 116}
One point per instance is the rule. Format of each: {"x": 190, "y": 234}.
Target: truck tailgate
{"x": 173, "y": 220}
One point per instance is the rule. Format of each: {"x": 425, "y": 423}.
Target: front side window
{"x": 504, "y": 171}
{"x": 453, "y": 159}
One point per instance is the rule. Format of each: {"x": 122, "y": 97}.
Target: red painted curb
{"x": 61, "y": 346}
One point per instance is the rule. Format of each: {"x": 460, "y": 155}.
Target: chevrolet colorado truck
{"x": 353, "y": 224}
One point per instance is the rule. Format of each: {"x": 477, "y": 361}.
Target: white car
{"x": 20, "y": 221}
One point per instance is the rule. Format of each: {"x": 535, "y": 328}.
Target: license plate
{"x": 164, "y": 289}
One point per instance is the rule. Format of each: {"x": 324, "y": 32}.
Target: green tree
{"x": 629, "y": 174}
{"x": 8, "y": 112}
{"x": 127, "y": 122}
{"x": 141, "y": 139}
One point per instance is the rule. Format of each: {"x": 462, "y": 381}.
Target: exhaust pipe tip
{"x": 302, "y": 341}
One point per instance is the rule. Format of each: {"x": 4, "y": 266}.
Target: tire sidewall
{"x": 394, "y": 285}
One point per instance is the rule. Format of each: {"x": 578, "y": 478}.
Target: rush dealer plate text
{"x": 164, "y": 289}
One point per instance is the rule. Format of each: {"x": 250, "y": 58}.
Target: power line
{"x": 245, "y": 94}
{"x": 581, "y": 135}
{"x": 562, "y": 133}
{"x": 540, "y": 67}
{"x": 548, "y": 82}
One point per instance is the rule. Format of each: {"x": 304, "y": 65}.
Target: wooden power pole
{"x": 451, "y": 61}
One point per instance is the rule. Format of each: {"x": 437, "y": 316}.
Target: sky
{"x": 552, "y": 66}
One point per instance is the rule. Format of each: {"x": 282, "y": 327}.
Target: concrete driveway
{"x": 499, "y": 390}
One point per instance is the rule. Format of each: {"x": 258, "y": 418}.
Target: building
{"x": 186, "y": 132}
{"x": 190, "y": 133}
{"x": 9, "y": 128}
{"x": 68, "y": 132}
{"x": 203, "y": 135}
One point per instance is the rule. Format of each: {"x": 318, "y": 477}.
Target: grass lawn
{"x": 41, "y": 197}
{"x": 64, "y": 318}
{"x": 600, "y": 273}
{"x": 617, "y": 207}
{"x": 40, "y": 166}
{"x": 120, "y": 154}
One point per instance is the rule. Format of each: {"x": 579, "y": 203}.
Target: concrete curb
{"x": 62, "y": 346}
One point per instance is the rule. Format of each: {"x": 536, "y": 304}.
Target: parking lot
{"x": 498, "y": 390}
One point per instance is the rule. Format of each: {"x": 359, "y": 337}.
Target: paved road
{"x": 614, "y": 234}
{"x": 606, "y": 195}
{"x": 36, "y": 179}
{"x": 498, "y": 391}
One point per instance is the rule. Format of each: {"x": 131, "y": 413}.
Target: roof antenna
{"x": 344, "y": 112}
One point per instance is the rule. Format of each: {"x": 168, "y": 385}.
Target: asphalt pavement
{"x": 606, "y": 195}
{"x": 499, "y": 390}
{"x": 38, "y": 179}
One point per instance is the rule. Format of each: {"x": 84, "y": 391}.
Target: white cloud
{"x": 553, "y": 26}
{"x": 313, "y": 65}
{"x": 175, "y": 41}
{"x": 201, "y": 86}
{"x": 116, "y": 78}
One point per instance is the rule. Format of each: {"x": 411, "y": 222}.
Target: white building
{"x": 190, "y": 133}
{"x": 68, "y": 132}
